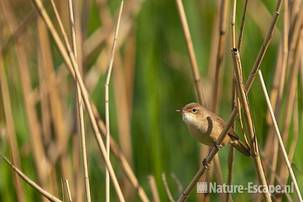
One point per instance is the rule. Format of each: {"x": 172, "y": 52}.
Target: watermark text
{"x": 250, "y": 187}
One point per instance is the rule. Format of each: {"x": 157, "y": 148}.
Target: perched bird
{"x": 206, "y": 126}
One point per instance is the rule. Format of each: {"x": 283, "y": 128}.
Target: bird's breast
{"x": 200, "y": 134}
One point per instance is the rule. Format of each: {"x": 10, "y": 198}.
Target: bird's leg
{"x": 218, "y": 146}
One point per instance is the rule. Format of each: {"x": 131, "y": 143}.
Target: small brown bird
{"x": 206, "y": 126}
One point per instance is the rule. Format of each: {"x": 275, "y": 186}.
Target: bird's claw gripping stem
{"x": 218, "y": 146}
{"x": 205, "y": 163}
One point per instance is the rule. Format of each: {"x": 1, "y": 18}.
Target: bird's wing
{"x": 217, "y": 119}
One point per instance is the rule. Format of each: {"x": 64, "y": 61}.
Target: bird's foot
{"x": 218, "y": 146}
{"x": 205, "y": 163}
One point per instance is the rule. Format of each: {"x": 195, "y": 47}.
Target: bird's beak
{"x": 179, "y": 110}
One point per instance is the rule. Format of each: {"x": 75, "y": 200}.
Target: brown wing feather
{"x": 234, "y": 138}
{"x": 219, "y": 120}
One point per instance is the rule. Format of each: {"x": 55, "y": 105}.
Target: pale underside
{"x": 205, "y": 131}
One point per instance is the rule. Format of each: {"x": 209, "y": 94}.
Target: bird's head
{"x": 192, "y": 113}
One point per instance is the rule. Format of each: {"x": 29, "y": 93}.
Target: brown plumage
{"x": 206, "y": 126}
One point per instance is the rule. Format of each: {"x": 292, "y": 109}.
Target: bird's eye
{"x": 194, "y": 110}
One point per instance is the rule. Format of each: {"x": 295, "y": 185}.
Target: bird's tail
{"x": 241, "y": 147}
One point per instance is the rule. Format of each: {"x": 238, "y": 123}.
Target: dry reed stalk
{"x": 63, "y": 190}
{"x": 80, "y": 177}
{"x": 242, "y": 26}
{"x": 264, "y": 46}
{"x": 204, "y": 197}
{"x": 234, "y": 113}
{"x": 218, "y": 174}
{"x": 73, "y": 67}
{"x": 79, "y": 192}
{"x": 290, "y": 102}
{"x": 124, "y": 116}
{"x": 295, "y": 137}
{"x": 270, "y": 151}
{"x": 294, "y": 34}
{"x": 123, "y": 111}
{"x": 44, "y": 101}
{"x": 84, "y": 176}
{"x": 60, "y": 132}
{"x": 231, "y": 155}
{"x": 59, "y": 127}
{"x": 116, "y": 151}
{"x": 167, "y": 190}
{"x": 40, "y": 159}
{"x": 102, "y": 35}
{"x": 68, "y": 191}
{"x": 63, "y": 9}
{"x": 222, "y": 12}
{"x": 49, "y": 93}
{"x": 235, "y": 99}
{"x": 274, "y": 156}
{"x": 153, "y": 188}
{"x": 267, "y": 164}
{"x": 251, "y": 130}
{"x": 277, "y": 132}
{"x": 261, "y": 17}
{"x": 123, "y": 119}
{"x": 293, "y": 62}
{"x": 120, "y": 86}
{"x": 285, "y": 47}
{"x": 92, "y": 43}
{"x": 80, "y": 104}
{"x": 235, "y": 44}
{"x": 295, "y": 8}
{"x": 177, "y": 181}
{"x": 191, "y": 52}
{"x": 122, "y": 106}
{"x": 274, "y": 96}
{"x": 104, "y": 13}
{"x": 65, "y": 51}
{"x": 210, "y": 75}
{"x": 31, "y": 183}
{"x": 220, "y": 53}
{"x": 67, "y": 168}
{"x": 10, "y": 128}
{"x": 50, "y": 86}
{"x": 277, "y": 92}
{"x": 213, "y": 51}
{"x": 107, "y": 82}
{"x": 292, "y": 87}
{"x": 53, "y": 183}
{"x": 119, "y": 155}
{"x": 122, "y": 158}
{"x": 129, "y": 66}
{"x": 99, "y": 37}
{"x": 233, "y": 24}
{"x": 195, "y": 71}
